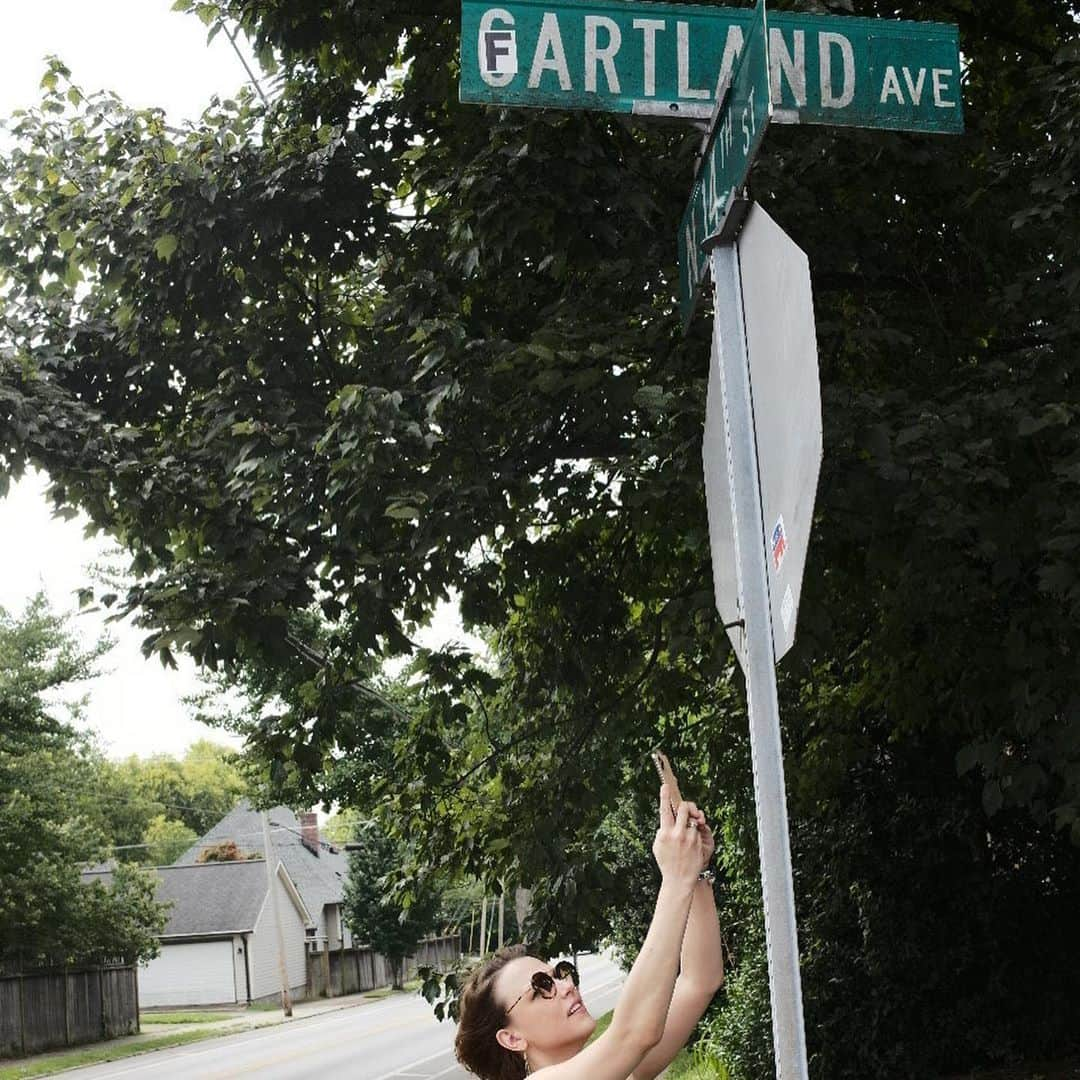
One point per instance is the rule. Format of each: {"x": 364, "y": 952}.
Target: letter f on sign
{"x": 497, "y": 47}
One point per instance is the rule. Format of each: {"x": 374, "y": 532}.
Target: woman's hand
{"x": 679, "y": 845}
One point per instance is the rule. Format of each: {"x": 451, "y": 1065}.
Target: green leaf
{"x": 208, "y": 13}
{"x": 402, "y": 511}
{"x": 652, "y": 398}
{"x": 165, "y": 246}
{"x": 543, "y": 352}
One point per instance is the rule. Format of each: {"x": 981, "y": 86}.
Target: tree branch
{"x": 319, "y": 661}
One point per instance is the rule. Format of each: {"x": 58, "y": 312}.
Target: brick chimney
{"x": 309, "y": 831}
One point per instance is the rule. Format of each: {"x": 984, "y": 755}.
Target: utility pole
{"x": 502, "y": 897}
{"x": 271, "y": 884}
{"x": 483, "y": 926}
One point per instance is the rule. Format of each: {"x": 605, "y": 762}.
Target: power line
{"x": 243, "y": 60}
{"x": 144, "y": 798}
{"x": 202, "y": 842}
{"x": 157, "y": 802}
{"x": 160, "y": 802}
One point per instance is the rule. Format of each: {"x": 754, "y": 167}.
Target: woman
{"x": 521, "y": 1017}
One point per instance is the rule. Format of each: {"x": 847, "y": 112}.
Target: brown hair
{"x": 480, "y": 1017}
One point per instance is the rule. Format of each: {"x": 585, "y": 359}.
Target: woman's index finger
{"x": 667, "y": 776}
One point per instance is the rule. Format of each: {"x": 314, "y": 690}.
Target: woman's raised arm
{"x": 638, "y": 1022}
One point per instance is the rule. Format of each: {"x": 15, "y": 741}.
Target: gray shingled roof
{"x": 319, "y": 879}
{"x": 208, "y": 898}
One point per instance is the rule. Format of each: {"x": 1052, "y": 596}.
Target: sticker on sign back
{"x": 779, "y": 544}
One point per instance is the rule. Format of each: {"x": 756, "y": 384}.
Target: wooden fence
{"x": 45, "y": 1010}
{"x": 352, "y": 971}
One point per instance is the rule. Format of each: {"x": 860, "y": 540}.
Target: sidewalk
{"x": 263, "y": 1017}
{"x": 160, "y": 1036}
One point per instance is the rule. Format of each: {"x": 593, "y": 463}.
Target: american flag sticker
{"x": 779, "y": 544}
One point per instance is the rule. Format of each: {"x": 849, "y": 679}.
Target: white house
{"x": 220, "y": 945}
{"x": 318, "y": 870}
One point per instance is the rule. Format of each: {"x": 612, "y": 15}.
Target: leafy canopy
{"x": 321, "y": 364}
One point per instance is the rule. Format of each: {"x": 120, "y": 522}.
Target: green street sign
{"x": 734, "y": 138}
{"x": 650, "y": 59}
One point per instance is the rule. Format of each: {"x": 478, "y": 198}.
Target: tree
{"x": 48, "y": 827}
{"x": 149, "y": 805}
{"x": 197, "y": 789}
{"x": 166, "y": 840}
{"x": 392, "y": 922}
{"x": 122, "y": 920}
{"x": 332, "y": 360}
{"x": 267, "y": 698}
{"x": 341, "y": 826}
{"x": 225, "y": 851}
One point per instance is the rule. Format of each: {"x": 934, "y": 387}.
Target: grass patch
{"x": 602, "y": 1024}
{"x": 688, "y": 1065}
{"x": 693, "y": 1064}
{"x": 185, "y": 1017}
{"x": 411, "y": 986}
{"x": 94, "y": 1055}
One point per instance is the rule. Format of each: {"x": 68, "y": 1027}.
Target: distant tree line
{"x": 65, "y": 807}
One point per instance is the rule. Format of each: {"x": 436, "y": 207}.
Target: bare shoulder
{"x": 607, "y": 1058}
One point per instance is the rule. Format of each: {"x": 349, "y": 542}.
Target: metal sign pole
{"x": 729, "y": 355}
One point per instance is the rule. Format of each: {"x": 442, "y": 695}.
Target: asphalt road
{"x": 394, "y": 1039}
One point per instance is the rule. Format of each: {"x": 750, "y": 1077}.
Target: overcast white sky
{"x": 151, "y": 56}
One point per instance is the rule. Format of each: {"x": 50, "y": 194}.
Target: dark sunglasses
{"x": 543, "y": 985}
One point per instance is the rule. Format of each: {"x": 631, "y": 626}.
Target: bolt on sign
{"x": 625, "y": 56}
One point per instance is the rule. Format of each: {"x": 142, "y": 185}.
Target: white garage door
{"x": 195, "y": 973}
